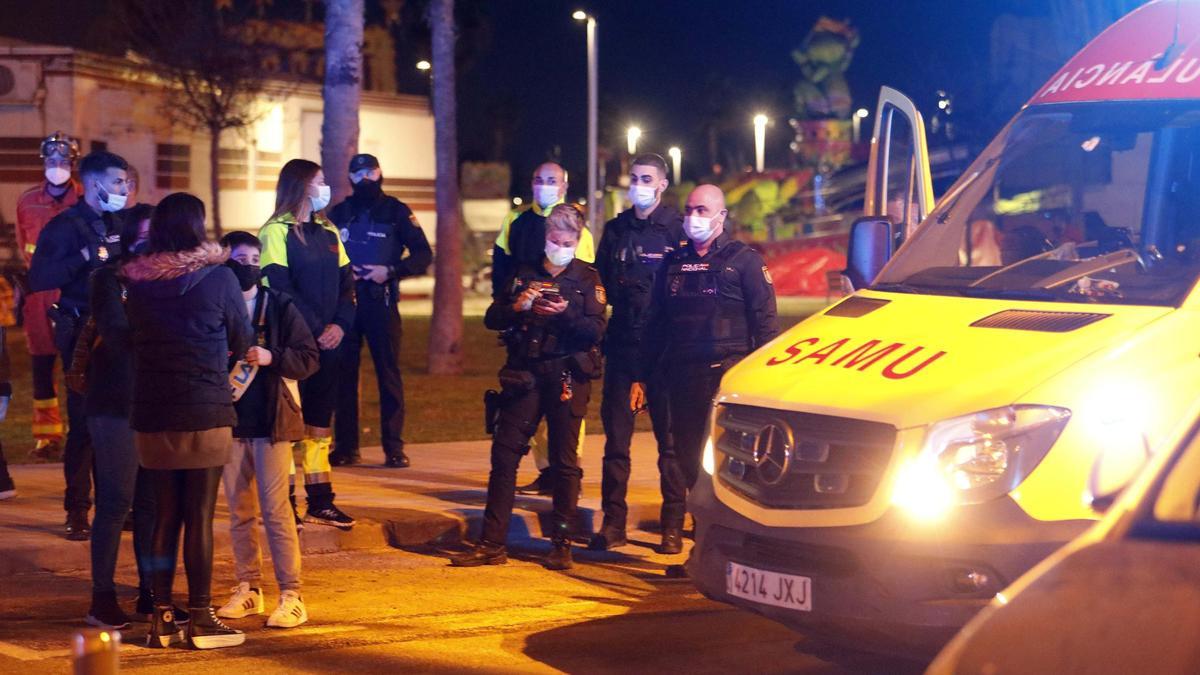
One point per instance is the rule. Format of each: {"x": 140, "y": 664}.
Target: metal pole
{"x": 593, "y": 202}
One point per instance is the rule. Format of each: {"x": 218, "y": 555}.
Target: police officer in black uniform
{"x": 631, "y": 253}
{"x": 713, "y": 304}
{"x": 376, "y": 230}
{"x": 75, "y": 242}
{"x": 552, "y": 323}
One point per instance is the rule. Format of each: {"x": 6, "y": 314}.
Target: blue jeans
{"x": 120, "y": 485}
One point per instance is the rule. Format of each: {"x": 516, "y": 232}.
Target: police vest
{"x": 370, "y": 238}
{"x": 705, "y": 307}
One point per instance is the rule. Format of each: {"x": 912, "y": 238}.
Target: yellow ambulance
{"x": 879, "y": 472}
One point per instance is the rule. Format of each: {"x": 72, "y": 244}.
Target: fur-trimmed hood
{"x": 175, "y": 271}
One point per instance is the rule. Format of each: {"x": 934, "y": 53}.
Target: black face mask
{"x": 368, "y": 189}
{"x": 248, "y": 276}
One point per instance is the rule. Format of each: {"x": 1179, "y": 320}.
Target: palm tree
{"x": 342, "y": 91}
{"x": 446, "y": 325}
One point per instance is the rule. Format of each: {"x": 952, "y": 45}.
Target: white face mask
{"x": 643, "y": 196}
{"x": 546, "y": 195}
{"x": 324, "y": 194}
{"x": 559, "y": 256}
{"x": 58, "y": 175}
{"x": 698, "y": 228}
{"x": 110, "y": 201}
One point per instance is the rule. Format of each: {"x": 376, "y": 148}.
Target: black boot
{"x": 672, "y": 541}
{"x": 106, "y": 613}
{"x": 560, "y": 556}
{"x": 205, "y": 630}
{"x": 164, "y": 632}
{"x": 608, "y": 538}
{"x": 480, "y": 554}
{"x": 543, "y": 485}
{"x": 397, "y": 460}
{"x": 77, "y": 526}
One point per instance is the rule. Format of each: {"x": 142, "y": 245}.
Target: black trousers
{"x": 520, "y": 415}
{"x": 377, "y": 320}
{"x": 318, "y": 393}
{"x": 43, "y": 376}
{"x": 186, "y": 499}
{"x": 79, "y": 464}
{"x": 691, "y": 392}
{"x": 618, "y": 422}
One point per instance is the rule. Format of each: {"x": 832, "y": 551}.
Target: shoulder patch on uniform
{"x": 767, "y": 276}
{"x": 601, "y": 296}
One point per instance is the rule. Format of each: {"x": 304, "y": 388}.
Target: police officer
{"x": 520, "y": 242}
{"x": 376, "y": 230}
{"x": 553, "y": 321}
{"x": 713, "y": 304}
{"x": 72, "y": 244}
{"x": 632, "y": 250}
{"x": 35, "y": 208}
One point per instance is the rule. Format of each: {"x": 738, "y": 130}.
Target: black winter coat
{"x": 188, "y": 316}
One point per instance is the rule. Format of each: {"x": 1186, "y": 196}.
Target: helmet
{"x": 59, "y": 143}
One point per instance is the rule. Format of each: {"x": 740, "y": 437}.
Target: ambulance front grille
{"x": 792, "y": 460}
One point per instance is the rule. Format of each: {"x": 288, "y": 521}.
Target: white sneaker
{"x": 245, "y": 601}
{"x": 290, "y": 612}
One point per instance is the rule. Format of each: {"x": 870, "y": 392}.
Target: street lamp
{"x": 593, "y": 73}
{"x": 856, "y": 121}
{"x": 760, "y": 142}
{"x": 424, "y": 65}
{"x": 676, "y": 161}
{"x": 631, "y": 138}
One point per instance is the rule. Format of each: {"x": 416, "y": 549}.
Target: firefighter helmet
{"x": 59, "y": 143}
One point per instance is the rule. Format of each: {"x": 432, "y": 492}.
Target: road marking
{"x": 25, "y": 654}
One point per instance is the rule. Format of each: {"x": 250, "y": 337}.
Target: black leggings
{"x": 186, "y": 499}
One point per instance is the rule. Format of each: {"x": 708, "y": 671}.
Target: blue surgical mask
{"x": 546, "y": 195}
{"x": 643, "y": 196}
{"x": 324, "y": 194}
{"x": 698, "y": 228}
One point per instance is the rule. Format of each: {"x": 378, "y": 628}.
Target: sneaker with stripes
{"x": 245, "y": 601}
{"x": 290, "y": 612}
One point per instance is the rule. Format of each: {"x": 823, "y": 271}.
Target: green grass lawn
{"x": 439, "y": 408}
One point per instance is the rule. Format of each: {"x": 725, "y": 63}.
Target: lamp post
{"x": 593, "y": 201}
{"x": 676, "y": 162}
{"x": 760, "y": 142}
{"x": 631, "y": 138}
{"x": 856, "y": 121}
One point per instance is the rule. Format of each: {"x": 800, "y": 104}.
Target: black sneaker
{"x": 397, "y": 460}
{"x": 144, "y": 610}
{"x": 329, "y": 515}
{"x": 543, "y": 485}
{"x": 205, "y": 631}
{"x": 7, "y": 489}
{"x": 607, "y": 539}
{"x": 77, "y": 527}
{"x": 344, "y": 459}
{"x": 672, "y": 541}
{"x": 106, "y": 613}
{"x": 560, "y": 556}
{"x": 481, "y": 554}
{"x": 164, "y": 632}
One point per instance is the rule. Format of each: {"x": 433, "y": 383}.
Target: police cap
{"x": 363, "y": 161}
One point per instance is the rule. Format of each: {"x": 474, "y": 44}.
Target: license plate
{"x": 769, "y": 588}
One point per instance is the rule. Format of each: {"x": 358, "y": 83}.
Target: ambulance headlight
{"x": 984, "y": 455}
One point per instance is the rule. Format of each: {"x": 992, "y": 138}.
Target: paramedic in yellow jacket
{"x": 303, "y": 256}
{"x": 522, "y": 241}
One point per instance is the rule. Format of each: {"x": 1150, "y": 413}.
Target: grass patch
{"x": 438, "y": 408}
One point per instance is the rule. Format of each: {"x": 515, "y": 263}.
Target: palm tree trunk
{"x": 446, "y": 325}
{"x": 342, "y": 91}
{"x": 214, "y": 181}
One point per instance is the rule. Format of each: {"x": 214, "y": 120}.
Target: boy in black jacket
{"x": 269, "y": 422}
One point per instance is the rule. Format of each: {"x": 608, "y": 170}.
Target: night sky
{"x": 666, "y": 65}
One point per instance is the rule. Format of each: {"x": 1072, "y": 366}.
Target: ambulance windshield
{"x": 1096, "y": 202}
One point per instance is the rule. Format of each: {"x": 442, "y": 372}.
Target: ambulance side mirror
{"x": 1112, "y": 472}
{"x": 872, "y": 243}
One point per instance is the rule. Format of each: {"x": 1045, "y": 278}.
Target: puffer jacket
{"x": 188, "y": 317}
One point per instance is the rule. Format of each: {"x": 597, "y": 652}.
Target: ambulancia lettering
{"x": 895, "y": 360}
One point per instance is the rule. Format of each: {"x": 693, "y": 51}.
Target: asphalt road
{"x": 404, "y": 611}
